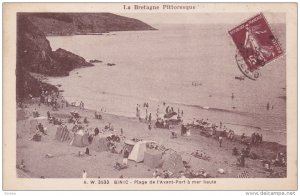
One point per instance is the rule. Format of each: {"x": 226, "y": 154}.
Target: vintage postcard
{"x": 150, "y": 96}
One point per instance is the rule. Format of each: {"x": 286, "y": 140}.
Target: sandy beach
{"x": 100, "y": 164}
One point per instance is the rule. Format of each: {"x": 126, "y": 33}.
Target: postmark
{"x": 256, "y": 45}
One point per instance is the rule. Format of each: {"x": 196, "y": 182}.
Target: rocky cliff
{"x": 34, "y": 53}
{"x": 84, "y": 23}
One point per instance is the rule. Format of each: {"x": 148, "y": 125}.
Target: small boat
{"x": 111, "y": 64}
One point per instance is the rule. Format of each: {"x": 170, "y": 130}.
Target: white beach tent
{"x": 80, "y": 139}
{"x": 100, "y": 142}
{"x": 138, "y": 151}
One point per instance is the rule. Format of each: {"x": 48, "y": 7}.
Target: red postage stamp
{"x": 256, "y": 45}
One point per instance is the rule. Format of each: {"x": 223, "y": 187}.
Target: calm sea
{"x": 160, "y": 66}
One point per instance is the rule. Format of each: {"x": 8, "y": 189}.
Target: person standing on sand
{"x": 87, "y": 151}
{"x": 150, "y": 118}
{"x": 96, "y": 131}
{"x": 157, "y": 111}
{"x": 242, "y": 158}
{"x": 125, "y": 156}
{"x": 48, "y": 115}
{"x": 149, "y": 126}
{"x": 146, "y": 117}
{"x": 220, "y": 140}
{"x": 84, "y": 174}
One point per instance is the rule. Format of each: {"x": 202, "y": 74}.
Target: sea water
{"x": 160, "y": 66}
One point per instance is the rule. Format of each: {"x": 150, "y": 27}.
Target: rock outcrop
{"x": 34, "y": 53}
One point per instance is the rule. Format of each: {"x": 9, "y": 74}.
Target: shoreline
{"x": 62, "y": 151}
{"x": 231, "y": 125}
{"x": 250, "y": 121}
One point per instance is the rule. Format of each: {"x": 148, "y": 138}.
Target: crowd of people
{"x": 53, "y": 100}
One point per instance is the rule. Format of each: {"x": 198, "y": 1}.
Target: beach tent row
{"x": 79, "y": 139}
{"x": 62, "y": 134}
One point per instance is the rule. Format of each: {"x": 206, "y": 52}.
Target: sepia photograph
{"x": 161, "y": 92}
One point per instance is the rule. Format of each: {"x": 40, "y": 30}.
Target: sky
{"x": 201, "y": 18}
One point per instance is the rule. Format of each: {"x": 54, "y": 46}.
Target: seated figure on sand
{"x": 40, "y": 128}
{"x": 241, "y": 160}
{"x": 35, "y": 113}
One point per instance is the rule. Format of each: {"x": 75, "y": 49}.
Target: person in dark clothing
{"x": 235, "y": 151}
{"x": 87, "y": 151}
{"x": 257, "y": 138}
{"x": 243, "y": 136}
{"x": 183, "y": 130}
{"x": 96, "y": 131}
{"x": 90, "y": 139}
{"x": 253, "y": 138}
{"x": 41, "y": 129}
{"x": 125, "y": 156}
{"x": 48, "y": 115}
{"x": 242, "y": 158}
{"x": 150, "y": 118}
{"x": 247, "y": 151}
{"x": 150, "y": 126}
